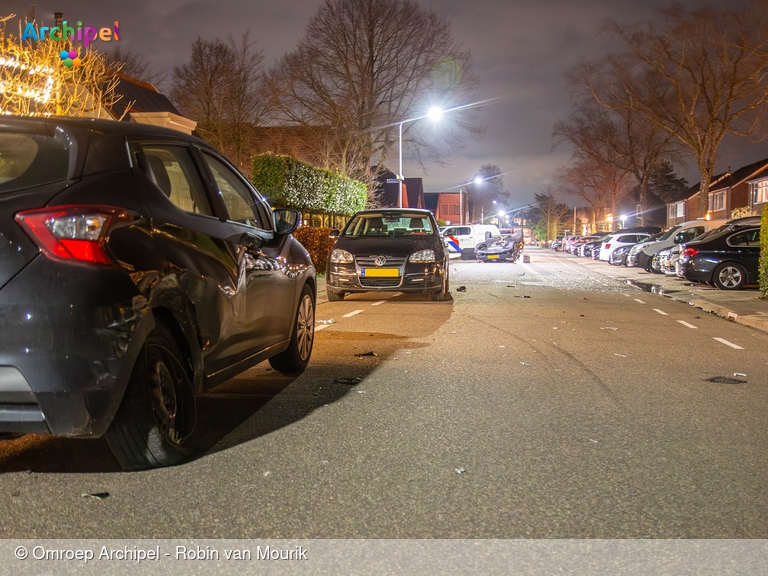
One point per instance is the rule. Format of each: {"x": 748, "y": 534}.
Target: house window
{"x": 717, "y": 201}
{"x": 760, "y": 192}
{"x": 676, "y": 210}
{"x": 639, "y": 211}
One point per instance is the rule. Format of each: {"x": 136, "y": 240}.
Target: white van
{"x": 463, "y": 239}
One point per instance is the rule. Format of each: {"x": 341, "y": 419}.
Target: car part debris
{"x": 371, "y": 353}
{"x": 522, "y": 296}
{"x": 725, "y": 380}
{"x": 460, "y": 470}
{"x": 348, "y": 381}
{"x": 331, "y": 321}
{"x": 739, "y": 374}
{"x": 609, "y": 328}
{"x": 461, "y": 289}
{"x": 525, "y": 363}
{"x": 97, "y": 495}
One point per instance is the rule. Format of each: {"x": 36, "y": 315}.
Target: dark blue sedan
{"x": 727, "y": 259}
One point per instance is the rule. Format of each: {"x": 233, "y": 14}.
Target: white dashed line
{"x": 639, "y": 301}
{"x": 353, "y": 313}
{"x": 684, "y": 323}
{"x": 379, "y": 303}
{"x": 731, "y": 344}
{"x": 321, "y": 327}
{"x": 660, "y": 312}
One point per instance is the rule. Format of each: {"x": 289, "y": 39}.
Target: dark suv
{"x": 138, "y": 268}
{"x": 388, "y": 250}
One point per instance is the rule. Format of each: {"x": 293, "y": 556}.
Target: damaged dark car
{"x": 138, "y": 269}
{"x": 388, "y": 250}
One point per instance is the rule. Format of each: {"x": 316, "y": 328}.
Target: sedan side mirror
{"x": 334, "y": 234}
{"x": 286, "y": 220}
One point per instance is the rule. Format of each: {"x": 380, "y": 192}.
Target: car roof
{"x": 106, "y": 126}
{"x": 401, "y": 210}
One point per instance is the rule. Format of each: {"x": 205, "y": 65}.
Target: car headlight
{"x": 341, "y": 257}
{"x": 637, "y": 248}
{"x": 423, "y": 256}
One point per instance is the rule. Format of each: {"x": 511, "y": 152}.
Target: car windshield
{"x": 668, "y": 234}
{"x": 389, "y": 224}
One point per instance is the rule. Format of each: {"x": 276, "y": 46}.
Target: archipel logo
{"x": 64, "y": 33}
{"x": 70, "y": 58}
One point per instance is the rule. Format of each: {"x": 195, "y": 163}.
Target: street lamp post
{"x": 434, "y": 113}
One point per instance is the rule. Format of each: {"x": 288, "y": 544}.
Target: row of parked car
{"x": 722, "y": 253}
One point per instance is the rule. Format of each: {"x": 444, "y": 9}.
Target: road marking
{"x": 321, "y": 327}
{"x": 684, "y": 323}
{"x": 638, "y": 300}
{"x": 379, "y": 303}
{"x": 660, "y": 312}
{"x": 353, "y": 313}
{"x": 731, "y": 344}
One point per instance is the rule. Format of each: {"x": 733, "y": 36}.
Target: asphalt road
{"x": 544, "y": 401}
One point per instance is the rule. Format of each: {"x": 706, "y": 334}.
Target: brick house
{"x": 727, "y": 192}
{"x": 448, "y": 206}
{"x": 758, "y": 191}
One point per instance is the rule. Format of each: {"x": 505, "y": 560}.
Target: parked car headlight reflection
{"x": 341, "y": 257}
{"x": 423, "y": 256}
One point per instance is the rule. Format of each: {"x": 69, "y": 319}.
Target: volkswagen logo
{"x": 380, "y": 260}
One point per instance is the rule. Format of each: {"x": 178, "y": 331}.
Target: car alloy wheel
{"x": 295, "y": 358}
{"x": 729, "y": 276}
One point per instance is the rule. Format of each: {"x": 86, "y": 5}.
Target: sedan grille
{"x": 380, "y": 282}
{"x": 370, "y": 261}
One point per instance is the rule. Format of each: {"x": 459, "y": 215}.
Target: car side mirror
{"x": 286, "y": 220}
{"x": 334, "y": 234}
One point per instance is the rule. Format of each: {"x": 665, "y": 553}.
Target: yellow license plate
{"x": 493, "y": 256}
{"x": 380, "y": 272}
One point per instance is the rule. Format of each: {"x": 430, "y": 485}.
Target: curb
{"x": 752, "y": 320}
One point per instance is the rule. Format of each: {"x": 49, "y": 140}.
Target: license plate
{"x": 493, "y": 256}
{"x": 380, "y": 272}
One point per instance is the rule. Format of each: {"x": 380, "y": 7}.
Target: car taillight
{"x": 71, "y": 233}
{"x": 607, "y": 246}
{"x": 690, "y": 252}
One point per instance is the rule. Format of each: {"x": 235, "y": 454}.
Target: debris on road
{"x": 724, "y": 380}
{"x": 526, "y": 260}
{"x": 739, "y": 374}
{"x": 525, "y": 363}
{"x": 348, "y": 381}
{"x": 267, "y": 473}
{"x": 97, "y": 495}
{"x": 522, "y": 296}
{"x": 361, "y": 391}
{"x": 460, "y": 470}
{"x": 617, "y": 354}
{"x": 500, "y": 346}
{"x": 609, "y": 328}
{"x": 371, "y": 353}
{"x": 461, "y": 289}
{"x": 595, "y": 441}
{"x": 511, "y": 286}
{"x": 331, "y": 321}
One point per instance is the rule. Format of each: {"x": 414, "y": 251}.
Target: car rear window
{"x": 33, "y": 159}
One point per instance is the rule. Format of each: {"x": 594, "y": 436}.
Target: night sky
{"x": 521, "y": 51}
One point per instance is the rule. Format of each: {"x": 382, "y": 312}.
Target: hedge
{"x": 290, "y": 183}
{"x": 763, "y": 266}
{"x": 318, "y": 244}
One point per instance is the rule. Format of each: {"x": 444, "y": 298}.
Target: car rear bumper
{"x": 68, "y": 343}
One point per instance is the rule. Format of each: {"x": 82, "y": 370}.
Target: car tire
{"x": 334, "y": 296}
{"x": 729, "y": 276}
{"x": 295, "y": 358}
{"x": 439, "y": 295}
{"x": 158, "y": 413}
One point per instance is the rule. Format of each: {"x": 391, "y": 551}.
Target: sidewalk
{"x": 741, "y": 306}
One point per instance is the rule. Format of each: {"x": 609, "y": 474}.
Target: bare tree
{"x": 221, "y": 88}
{"x": 701, "y": 76}
{"x": 127, "y": 62}
{"x": 623, "y": 137}
{"x": 601, "y": 184}
{"x": 486, "y": 186}
{"x": 552, "y": 214}
{"x": 363, "y": 67}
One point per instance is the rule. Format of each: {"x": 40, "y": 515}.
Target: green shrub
{"x": 763, "y": 266}
{"x": 317, "y": 243}
{"x": 289, "y": 183}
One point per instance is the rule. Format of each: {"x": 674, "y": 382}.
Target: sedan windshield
{"x": 384, "y": 224}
